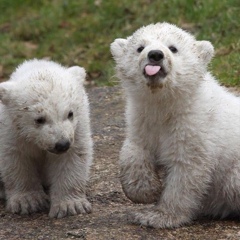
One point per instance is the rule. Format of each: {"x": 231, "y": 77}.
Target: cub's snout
{"x": 61, "y": 146}
{"x": 154, "y": 71}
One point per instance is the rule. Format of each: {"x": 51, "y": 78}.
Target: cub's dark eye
{"x": 173, "y": 49}
{"x": 70, "y": 115}
{"x": 140, "y": 49}
{"x": 40, "y": 120}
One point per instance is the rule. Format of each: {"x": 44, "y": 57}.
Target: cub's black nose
{"x": 155, "y": 56}
{"x": 62, "y": 146}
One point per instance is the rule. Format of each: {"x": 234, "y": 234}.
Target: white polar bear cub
{"x": 45, "y": 139}
{"x": 178, "y": 117}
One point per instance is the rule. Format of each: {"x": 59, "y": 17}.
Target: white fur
{"x": 28, "y": 157}
{"x": 184, "y": 122}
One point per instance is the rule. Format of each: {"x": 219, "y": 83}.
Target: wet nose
{"x": 155, "y": 56}
{"x": 62, "y": 146}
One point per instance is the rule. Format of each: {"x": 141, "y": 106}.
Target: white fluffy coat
{"x": 181, "y": 120}
{"x": 43, "y": 104}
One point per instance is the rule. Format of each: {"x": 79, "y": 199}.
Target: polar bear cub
{"x": 45, "y": 139}
{"x": 180, "y": 119}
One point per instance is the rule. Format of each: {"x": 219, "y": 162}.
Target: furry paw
{"x": 26, "y": 203}
{"x": 140, "y": 179}
{"x": 70, "y": 207}
{"x": 146, "y": 196}
{"x": 156, "y": 218}
{"x": 142, "y": 190}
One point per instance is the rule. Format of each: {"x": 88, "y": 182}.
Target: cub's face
{"x": 48, "y": 124}
{"x": 45, "y": 108}
{"x": 159, "y": 55}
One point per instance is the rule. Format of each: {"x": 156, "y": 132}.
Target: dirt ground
{"x": 110, "y": 207}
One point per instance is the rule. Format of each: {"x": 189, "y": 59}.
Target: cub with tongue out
{"x": 178, "y": 119}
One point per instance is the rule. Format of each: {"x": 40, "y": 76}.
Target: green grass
{"x": 75, "y": 32}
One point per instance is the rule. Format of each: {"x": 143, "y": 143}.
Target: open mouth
{"x": 154, "y": 75}
{"x": 154, "y": 72}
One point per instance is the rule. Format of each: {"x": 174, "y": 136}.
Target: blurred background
{"x": 79, "y": 32}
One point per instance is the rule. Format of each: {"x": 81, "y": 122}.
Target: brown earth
{"x": 110, "y": 207}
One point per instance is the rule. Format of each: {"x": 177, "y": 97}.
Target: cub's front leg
{"x": 139, "y": 179}
{"x": 23, "y": 190}
{"x": 180, "y": 202}
{"x": 68, "y": 175}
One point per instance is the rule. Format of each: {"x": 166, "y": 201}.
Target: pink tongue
{"x": 152, "y": 70}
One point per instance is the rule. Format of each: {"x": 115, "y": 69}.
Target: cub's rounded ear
{"x": 6, "y": 89}
{"x": 118, "y": 47}
{"x": 78, "y": 72}
{"x": 205, "y": 51}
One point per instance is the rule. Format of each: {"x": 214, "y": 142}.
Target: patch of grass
{"x": 75, "y": 32}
